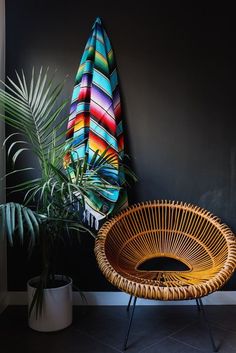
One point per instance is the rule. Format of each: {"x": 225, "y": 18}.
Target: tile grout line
{"x": 170, "y": 337}
{"x": 219, "y": 326}
{"x": 181, "y": 329}
{"x": 148, "y": 346}
{"x": 153, "y": 344}
{"x": 98, "y": 340}
{"x": 187, "y": 344}
{"x": 164, "y": 338}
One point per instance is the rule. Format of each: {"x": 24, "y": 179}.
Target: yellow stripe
{"x": 80, "y": 124}
{"x": 101, "y": 57}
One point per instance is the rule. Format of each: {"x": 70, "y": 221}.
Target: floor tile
{"x": 222, "y": 316}
{"x": 66, "y": 341}
{"x": 150, "y": 324}
{"x": 159, "y": 329}
{"x": 197, "y": 336}
{"x": 170, "y": 346}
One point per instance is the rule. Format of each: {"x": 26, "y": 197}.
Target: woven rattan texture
{"x": 166, "y": 228}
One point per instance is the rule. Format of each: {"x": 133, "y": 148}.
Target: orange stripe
{"x": 96, "y": 143}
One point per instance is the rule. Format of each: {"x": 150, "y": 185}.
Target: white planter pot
{"x": 57, "y": 306}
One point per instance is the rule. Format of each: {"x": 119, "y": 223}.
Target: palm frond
{"x": 54, "y": 200}
{"x": 18, "y": 219}
{"x": 32, "y": 110}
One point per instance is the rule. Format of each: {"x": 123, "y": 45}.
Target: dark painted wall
{"x": 177, "y": 72}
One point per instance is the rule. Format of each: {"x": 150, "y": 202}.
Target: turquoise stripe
{"x": 75, "y": 93}
{"x": 78, "y": 140}
{"x": 119, "y": 128}
{"x": 67, "y": 146}
{"x": 112, "y": 196}
{"x": 111, "y": 141}
{"x": 83, "y": 131}
{"x": 114, "y": 80}
{"x": 82, "y": 107}
{"x": 101, "y": 49}
{"x": 99, "y": 35}
{"x": 102, "y": 82}
{"x": 85, "y": 54}
{"x": 88, "y": 67}
{"x": 79, "y": 152}
{"x": 89, "y": 43}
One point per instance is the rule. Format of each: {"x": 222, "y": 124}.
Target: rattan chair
{"x": 163, "y": 229}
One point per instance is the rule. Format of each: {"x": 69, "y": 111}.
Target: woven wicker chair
{"x": 162, "y": 229}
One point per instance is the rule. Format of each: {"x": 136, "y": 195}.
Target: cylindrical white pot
{"x": 57, "y": 307}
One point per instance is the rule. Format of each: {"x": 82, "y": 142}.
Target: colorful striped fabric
{"x": 95, "y": 121}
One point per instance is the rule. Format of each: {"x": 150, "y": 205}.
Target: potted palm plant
{"x": 53, "y": 200}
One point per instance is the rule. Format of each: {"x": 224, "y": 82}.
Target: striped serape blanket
{"x": 95, "y": 123}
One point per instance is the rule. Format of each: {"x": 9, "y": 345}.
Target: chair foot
{"x": 215, "y": 349}
{"x": 130, "y": 323}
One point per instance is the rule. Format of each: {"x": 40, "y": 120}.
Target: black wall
{"x": 177, "y": 73}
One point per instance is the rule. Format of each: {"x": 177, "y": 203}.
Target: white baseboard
{"x": 120, "y": 298}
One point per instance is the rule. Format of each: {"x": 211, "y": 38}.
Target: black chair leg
{"x": 208, "y": 325}
{"x": 128, "y": 306}
{"x": 130, "y": 323}
{"x": 198, "y": 305}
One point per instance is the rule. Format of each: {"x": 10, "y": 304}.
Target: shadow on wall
{"x": 213, "y": 199}
{"x": 222, "y": 201}
{"x": 177, "y": 74}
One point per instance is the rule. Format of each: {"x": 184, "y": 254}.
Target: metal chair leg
{"x": 130, "y": 323}
{"x": 130, "y": 298}
{"x": 198, "y": 305}
{"x": 208, "y": 325}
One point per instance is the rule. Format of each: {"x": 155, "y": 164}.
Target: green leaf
{"x": 31, "y": 86}
{"x": 58, "y": 173}
{"x": 37, "y": 300}
{"x": 19, "y": 218}
{"x": 94, "y": 158}
{"x": 34, "y": 221}
{"x": 22, "y": 85}
{"x": 13, "y": 215}
{"x": 36, "y": 89}
{"x": 15, "y": 143}
{"x": 17, "y": 171}
{"x": 2, "y": 221}
{"x": 17, "y": 89}
{"x": 18, "y": 153}
{"x": 101, "y": 157}
{"x": 29, "y": 224}
{"x": 9, "y": 228}
{"x": 10, "y": 136}
{"x": 38, "y": 99}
